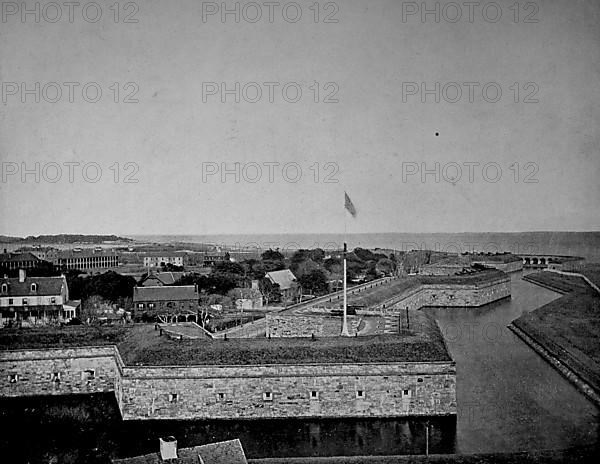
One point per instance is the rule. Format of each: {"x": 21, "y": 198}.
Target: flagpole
{"x": 345, "y": 332}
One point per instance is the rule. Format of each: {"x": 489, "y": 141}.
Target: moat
{"x": 509, "y": 399}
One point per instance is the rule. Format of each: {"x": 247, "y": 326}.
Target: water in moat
{"x": 509, "y": 399}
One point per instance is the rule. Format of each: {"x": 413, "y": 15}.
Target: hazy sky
{"x": 366, "y": 126}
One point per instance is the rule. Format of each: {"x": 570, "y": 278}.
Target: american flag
{"x": 349, "y": 205}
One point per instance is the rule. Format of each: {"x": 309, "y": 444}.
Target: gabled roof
{"x": 284, "y": 278}
{"x": 224, "y": 452}
{"x": 45, "y": 286}
{"x": 167, "y": 278}
{"x": 165, "y": 293}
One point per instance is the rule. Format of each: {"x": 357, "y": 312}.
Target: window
{"x": 53, "y": 300}
{"x": 4, "y": 288}
{"x": 420, "y": 380}
{"x": 268, "y": 396}
{"x": 10, "y": 301}
{"x": 13, "y": 378}
{"x": 141, "y": 305}
{"x": 314, "y": 395}
{"x": 151, "y": 305}
{"x": 173, "y": 397}
{"x": 360, "y": 394}
{"x": 88, "y": 374}
{"x": 55, "y": 377}
{"x": 221, "y": 396}
{"x": 34, "y": 287}
{"x": 406, "y": 393}
{"x": 24, "y": 301}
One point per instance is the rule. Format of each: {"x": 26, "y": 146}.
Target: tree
{"x": 228, "y": 267}
{"x": 170, "y": 267}
{"x": 270, "y": 291}
{"x": 304, "y": 267}
{"x": 272, "y": 255}
{"x": 93, "y": 308}
{"x": 314, "y": 281}
{"x": 385, "y": 266}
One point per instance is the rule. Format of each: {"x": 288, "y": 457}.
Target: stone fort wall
{"x": 59, "y": 371}
{"x": 285, "y": 391}
{"x": 297, "y": 325}
{"x": 445, "y": 295}
{"x": 234, "y": 392}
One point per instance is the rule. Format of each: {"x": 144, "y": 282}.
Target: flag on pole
{"x": 349, "y": 205}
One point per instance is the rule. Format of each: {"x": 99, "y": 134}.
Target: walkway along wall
{"x": 234, "y": 392}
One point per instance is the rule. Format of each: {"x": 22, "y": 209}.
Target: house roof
{"x": 165, "y": 293}
{"x": 224, "y": 452}
{"x": 284, "y": 278}
{"x": 45, "y": 286}
{"x": 167, "y": 278}
{"x": 17, "y": 257}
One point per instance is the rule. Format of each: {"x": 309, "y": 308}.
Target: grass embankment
{"x": 61, "y": 337}
{"x": 569, "y": 327}
{"x": 144, "y": 346}
{"x": 559, "y": 282}
{"x": 568, "y": 456}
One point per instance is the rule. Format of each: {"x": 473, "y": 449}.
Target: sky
{"x": 168, "y": 118}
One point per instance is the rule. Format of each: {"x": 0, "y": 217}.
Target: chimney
{"x": 168, "y": 448}
{"x": 22, "y": 275}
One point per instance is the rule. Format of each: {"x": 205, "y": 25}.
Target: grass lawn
{"x": 144, "y": 346}
{"x": 562, "y": 283}
{"x": 61, "y": 337}
{"x": 569, "y": 327}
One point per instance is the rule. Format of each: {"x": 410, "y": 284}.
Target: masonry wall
{"x": 58, "y": 371}
{"x": 297, "y": 325}
{"x": 444, "y": 295}
{"x": 281, "y": 391}
{"x": 234, "y": 392}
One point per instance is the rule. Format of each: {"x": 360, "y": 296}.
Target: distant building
{"x": 83, "y": 259}
{"x": 158, "y": 279}
{"x": 167, "y": 303}
{"x": 23, "y": 260}
{"x": 288, "y": 284}
{"x": 35, "y": 300}
{"x": 206, "y": 259}
{"x": 157, "y": 260}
